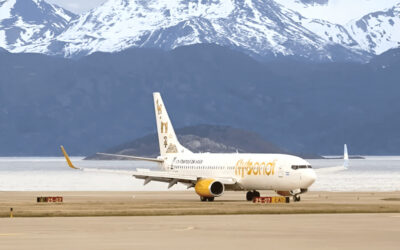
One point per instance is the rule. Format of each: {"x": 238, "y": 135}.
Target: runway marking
{"x": 10, "y": 234}
{"x": 185, "y": 229}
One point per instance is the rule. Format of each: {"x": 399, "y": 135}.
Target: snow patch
{"x": 377, "y": 32}
{"x": 3, "y": 42}
{"x": 5, "y": 8}
{"x": 338, "y": 11}
{"x": 60, "y": 12}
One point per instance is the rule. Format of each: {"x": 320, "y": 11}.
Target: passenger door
{"x": 280, "y": 171}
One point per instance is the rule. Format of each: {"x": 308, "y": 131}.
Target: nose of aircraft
{"x": 308, "y": 178}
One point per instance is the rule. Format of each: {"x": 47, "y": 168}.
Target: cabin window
{"x": 295, "y": 167}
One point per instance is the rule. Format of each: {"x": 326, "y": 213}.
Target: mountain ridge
{"x": 266, "y": 30}
{"x": 377, "y": 32}
{"x": 198, "y": 139}
{"x": 28, "y": 25}
{"x": 255, "y": 27}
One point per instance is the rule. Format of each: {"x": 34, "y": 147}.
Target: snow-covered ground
{"x": 52, "y": 174}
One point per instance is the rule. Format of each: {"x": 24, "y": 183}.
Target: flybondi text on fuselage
{"x": 248, "y": 167}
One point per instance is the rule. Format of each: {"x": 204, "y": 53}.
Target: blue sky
{"x": 77, "y": 6}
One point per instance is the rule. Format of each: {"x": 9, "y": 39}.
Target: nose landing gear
{"x": 251, "y": 194}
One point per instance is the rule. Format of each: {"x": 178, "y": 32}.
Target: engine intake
{"x": 209, "y": 188}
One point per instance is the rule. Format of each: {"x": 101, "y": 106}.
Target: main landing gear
{"x": 296, "y": 198}
{"x": 206, "y": 198}
{"x": 251, "y": 194}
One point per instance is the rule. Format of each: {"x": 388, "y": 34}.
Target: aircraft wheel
{"x": 296, "y": 198}
{"x": 210, "y": 198}
{"x": 203, "y": 198}
{"x": 249, "y": 196}
{"x": 257, "y": 194}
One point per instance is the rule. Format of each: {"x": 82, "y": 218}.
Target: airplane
{"x": 211, "y": 174}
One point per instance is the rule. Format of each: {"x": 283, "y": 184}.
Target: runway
{"x": 317, "y": 231}
{"x": 151, "y": 220}
{"x": 188, "y": 203}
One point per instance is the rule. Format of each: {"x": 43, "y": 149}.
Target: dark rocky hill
{"x": 198, "y": 139}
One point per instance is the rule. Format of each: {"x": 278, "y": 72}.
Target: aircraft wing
{"x": 162, "y": 176}
{"x": 330, "y": 169}
{"x": 147, "y": 175}
{"x": 172, "y": 177}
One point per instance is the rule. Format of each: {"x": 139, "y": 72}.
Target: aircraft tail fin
{"x": 346, "y": 157}
{"x": 167, "y": 139}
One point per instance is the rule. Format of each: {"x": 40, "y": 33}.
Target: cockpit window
{"x": 295, "y": 167}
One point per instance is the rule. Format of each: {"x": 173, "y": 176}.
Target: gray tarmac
{"x": 187, "y": 203}
{"x": 178, "y": 220}
{"x": 304, "y": 231}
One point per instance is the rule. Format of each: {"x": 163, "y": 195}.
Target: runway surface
{"x": 87, "y": 220}
{"x": 188, "y": 203}
{"x": 332, "y": 231}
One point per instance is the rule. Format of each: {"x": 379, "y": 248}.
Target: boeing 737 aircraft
{"x": 211, "y": 174}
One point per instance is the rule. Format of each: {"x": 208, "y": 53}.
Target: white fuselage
{"x": 252, "y": 171}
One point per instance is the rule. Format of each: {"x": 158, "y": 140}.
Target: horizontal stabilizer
{"x": 133, "y": 157}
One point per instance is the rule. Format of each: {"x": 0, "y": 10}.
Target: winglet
{"x": 67, "y": 158}
{"x": 346, "y": 157}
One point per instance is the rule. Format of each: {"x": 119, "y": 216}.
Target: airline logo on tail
{"x": 159, "y": 108}
{"x": 164, "y": 127}
{"x": 168, "y": 141}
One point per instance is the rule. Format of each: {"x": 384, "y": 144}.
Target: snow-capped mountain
{"x": 337, "y": 11}
{"x": 377, "y": 32}
{"x": 334, "y": 33}
{"x": 261, "y": 28}
{"x": 29, "y": 25}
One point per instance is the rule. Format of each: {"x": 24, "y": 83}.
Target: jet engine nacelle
{"x": 209, "y": 188}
